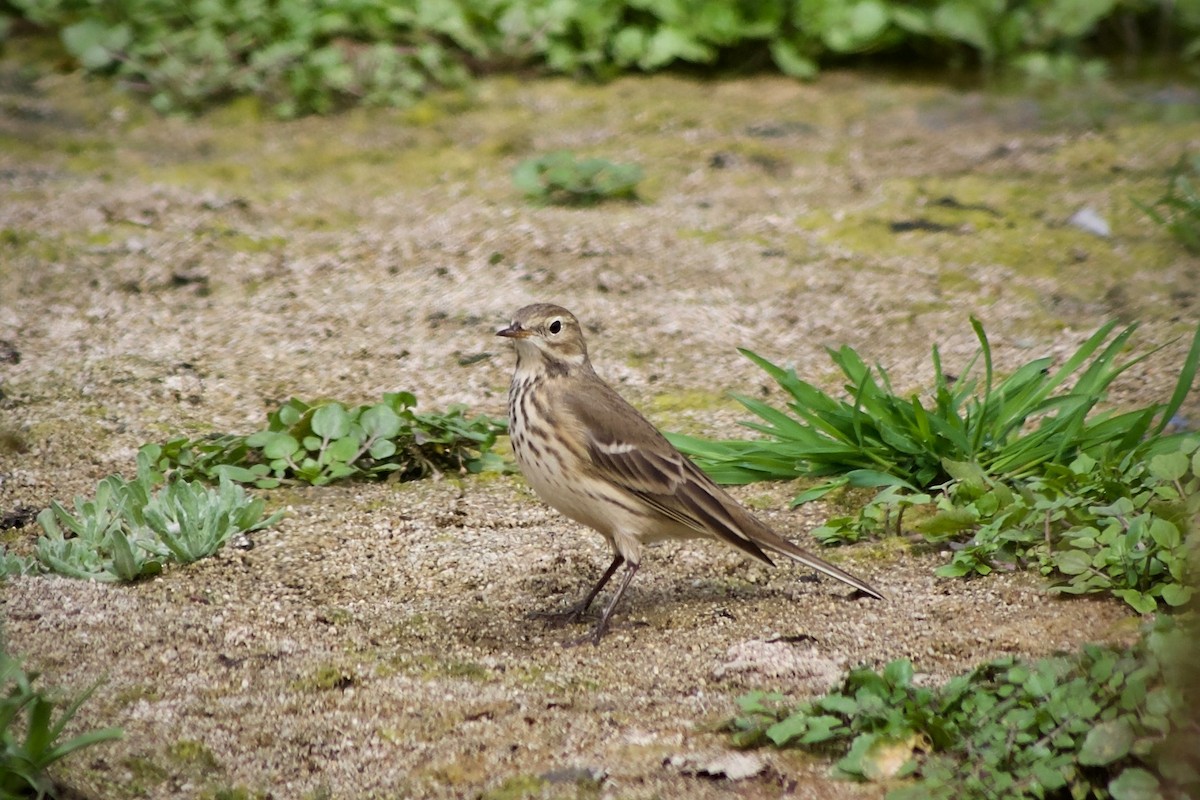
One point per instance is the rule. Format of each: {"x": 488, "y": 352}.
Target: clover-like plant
{"x": 562, "y": 178}
{"x": 318, "y": 443}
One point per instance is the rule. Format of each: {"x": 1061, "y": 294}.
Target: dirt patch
{"x": 162, "y": 277}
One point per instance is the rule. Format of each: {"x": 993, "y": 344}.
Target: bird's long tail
{"x": 786, "y": 548}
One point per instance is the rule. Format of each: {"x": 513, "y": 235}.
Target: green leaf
{"x": 1106, "y": 743}
{"x": 1073, "y": 562}
{"x": 838, "y": 704}
{"x": 380, "y": 421}
{"x": 1169, "y": 466}
{"x": 821, "y": 729}
{"x": 331, "y": 421}
{"x": 854, "y": 762}
{"x": 963, "y": 21}
{"x": 792, "y": 60}
{"x": 1175, "y": 595}
{"x": 239, "y": 474}
{"x": 788, "y": 729}
{"x": 274, "y": 445}
{"x": 382, "y": 448}
{"x": 1139, "y": 601}
{"x": 1049, "y": 778}
{"x": 343, "y": 449}
{"x": 95, "y": 43}
{"x": 669, "y": 44}
{"x": 1135, "y": 783}
{"x": 899, "y": 673}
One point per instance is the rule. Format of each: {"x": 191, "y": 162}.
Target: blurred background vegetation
{"x": 317, "y": 56}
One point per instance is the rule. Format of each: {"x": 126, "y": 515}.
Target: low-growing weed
{"x": 562, "y": 178}
{"x": 1104, "y": 722}
{"x": 316, "y": 57}
{"x": 13, "y": 564}
{"x": 132, "y": 527}
{"x": 317, "y": 443}
{"x": 1097, "y": 524}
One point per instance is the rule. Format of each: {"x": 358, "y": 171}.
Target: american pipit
{"x": 592, "y": 456}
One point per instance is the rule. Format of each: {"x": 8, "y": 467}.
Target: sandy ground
{"x": 168, "y": 276}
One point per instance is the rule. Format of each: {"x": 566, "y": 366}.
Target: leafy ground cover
{"x": 1103, "y": 722}
{"x": 325, "y": 441}
{"x": 316, "y": 57}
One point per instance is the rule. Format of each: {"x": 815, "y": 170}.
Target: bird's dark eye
{"x": 556, "y": 326}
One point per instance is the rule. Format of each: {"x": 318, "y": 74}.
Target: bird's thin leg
{"x": 602, "y": 626}
{"x": 573, "y": 613}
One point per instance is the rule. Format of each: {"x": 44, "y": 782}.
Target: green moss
{"x": 241, "y": 242}
{"x": 705, "y": 235}
{"x": 88, "y": 154}
{"x": 16, "y": 238}
{"x": 326, "y": 677}
{"x": 690, "y": 400}
{"x": 193, "y": 753}
{"x": 12, "y": 442}
{"x": 337, "y": 616}
{"x": 144, "y": 773}
{"x": 22, "y": 243}
{"x": 430, "y": 666}
{"x": 465, "y": 669}
{"x": 236, "y": 793}
{"x": 128, "y": 695}
{"x": 761, "y": 502}
{"x": 515, "y": 788}
{"x": 238, "y": 111}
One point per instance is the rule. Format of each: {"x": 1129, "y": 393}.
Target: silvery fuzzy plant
{"x": 131, "y": 528}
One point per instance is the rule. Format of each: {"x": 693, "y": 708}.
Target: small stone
{"x": 1088, "y": 219}
{"x": 729, "y": 765}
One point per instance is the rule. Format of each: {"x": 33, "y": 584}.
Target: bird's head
{"x": 548, "y": 334}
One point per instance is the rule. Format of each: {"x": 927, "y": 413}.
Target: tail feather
{"x": 821, "y": 565}
{"x": 700, "y": 504}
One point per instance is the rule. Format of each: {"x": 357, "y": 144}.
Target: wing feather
{"x": 639, "y": 459}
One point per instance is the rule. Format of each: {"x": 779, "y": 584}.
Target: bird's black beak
{"x": 513, "y": 331}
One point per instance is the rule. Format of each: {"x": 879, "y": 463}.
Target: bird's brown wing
{"x": 630, "y": 452}
{"x": 626, "y": 449}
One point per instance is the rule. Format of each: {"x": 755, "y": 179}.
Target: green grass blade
{"x": 1183, "y": 386}
{"x": 979, "y": 422}
{"x": 1075, "y": 361}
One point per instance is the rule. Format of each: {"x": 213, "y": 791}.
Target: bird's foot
{"x": 568, "y": 616}
{"x": 593, "y": 637}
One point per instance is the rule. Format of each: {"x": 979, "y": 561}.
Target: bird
{"x": 592, "y": 456}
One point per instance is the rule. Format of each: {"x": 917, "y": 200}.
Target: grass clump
{"x": 876, "y": 438}
{"x": 131, "y": 528}
{"x": 317, "y": 443}
{"x": 31, "y": 736}
{"x": 1101, "y": 723}
{"x": 561, "y": 178}
{"x": 1009, "y": 472}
